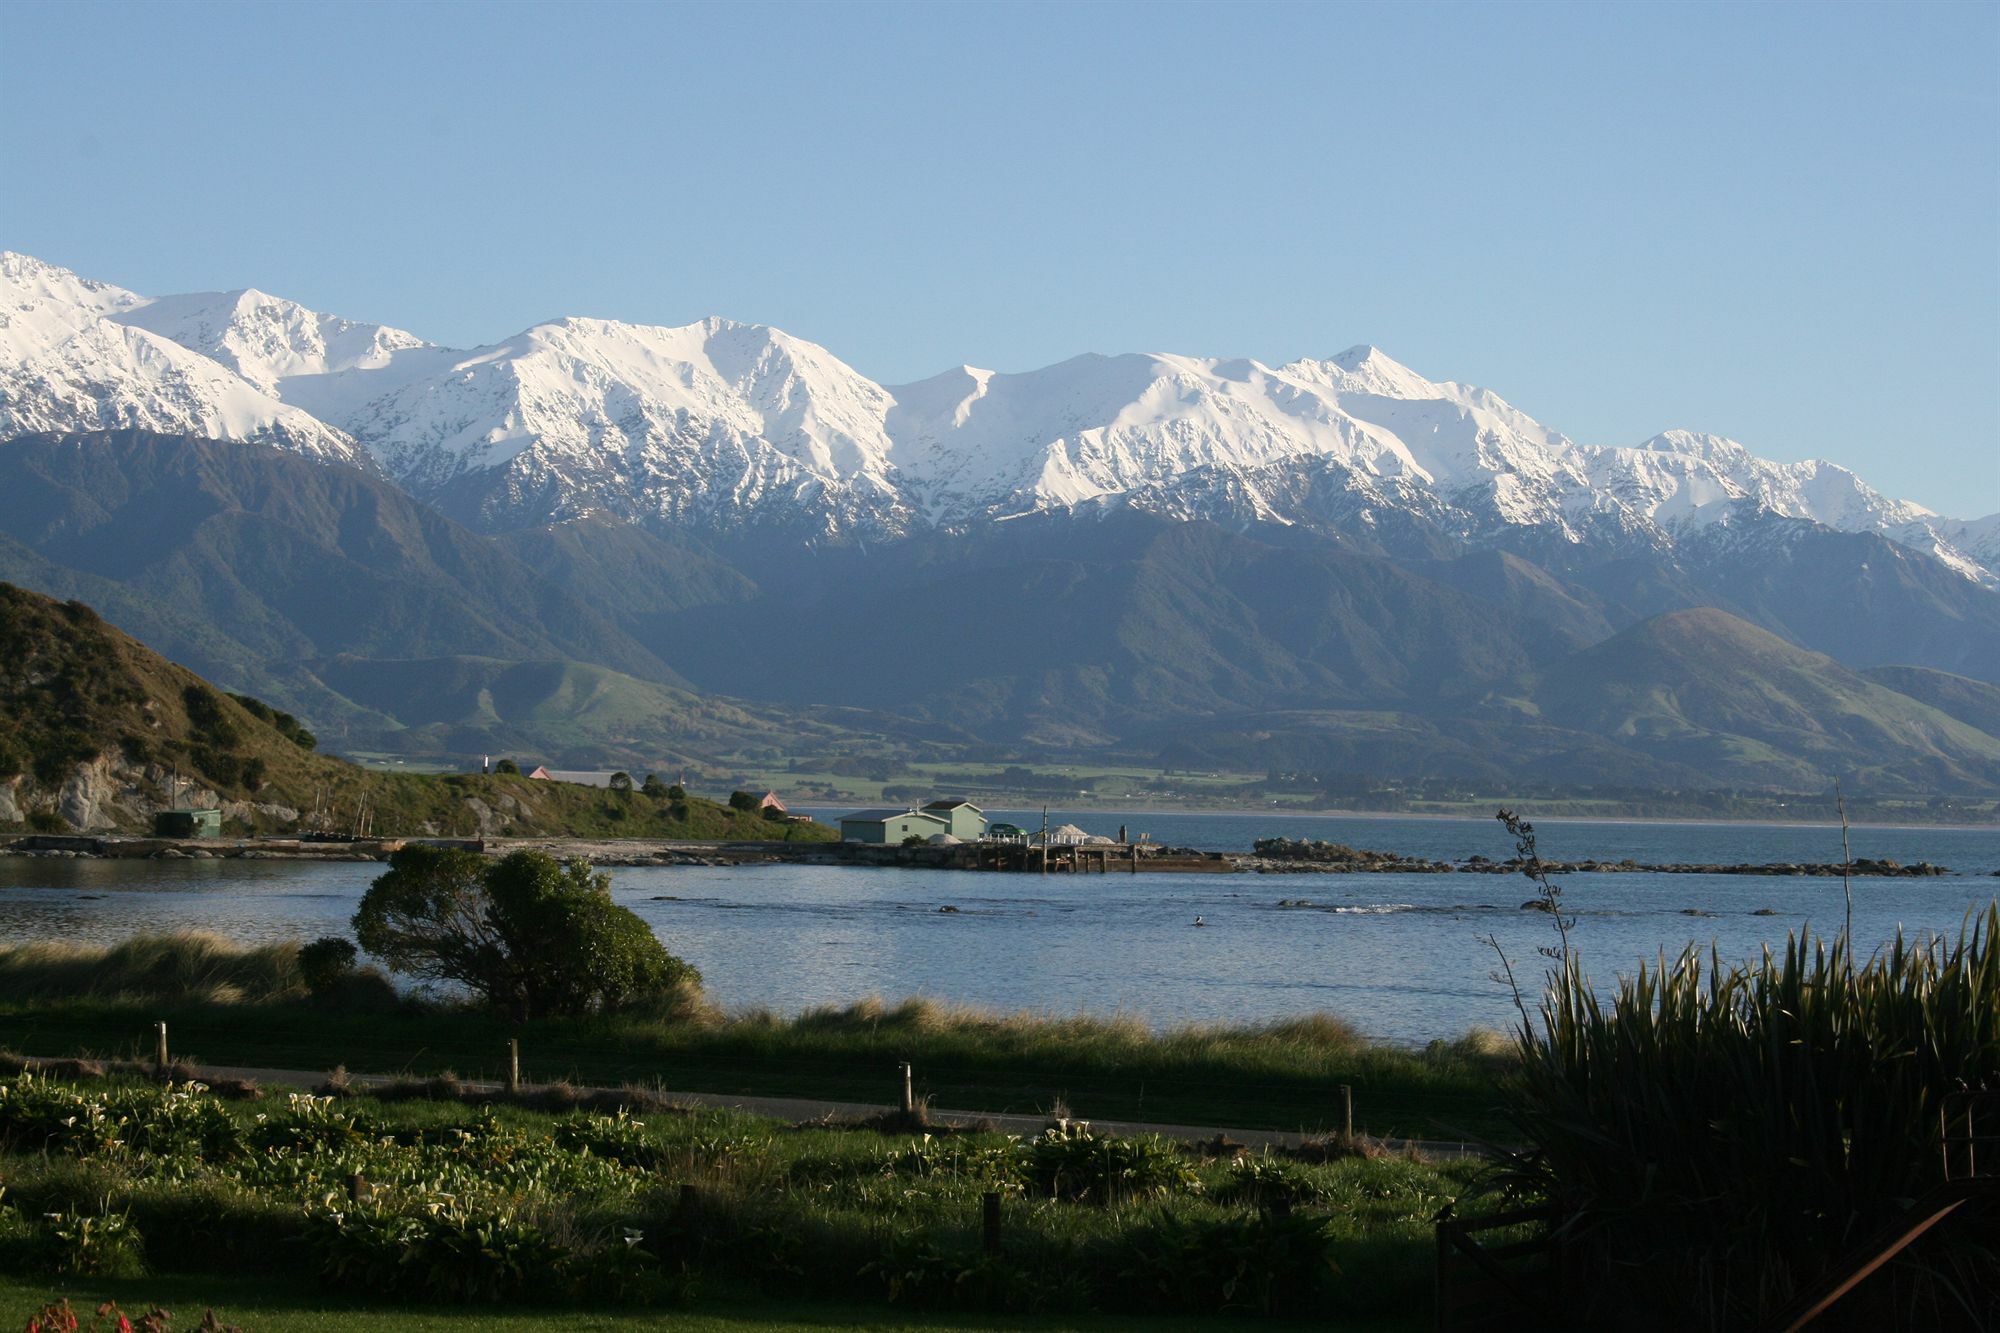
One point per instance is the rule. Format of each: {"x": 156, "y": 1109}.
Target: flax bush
{"x": 1724, "y": 1133}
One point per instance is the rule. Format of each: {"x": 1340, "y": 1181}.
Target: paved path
{"x": 799, "y": 1110}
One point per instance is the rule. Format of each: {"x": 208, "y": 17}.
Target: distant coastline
{"x": 1527, "y": 809}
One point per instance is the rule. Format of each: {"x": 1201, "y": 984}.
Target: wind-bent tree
{"x": 531, "y": 935}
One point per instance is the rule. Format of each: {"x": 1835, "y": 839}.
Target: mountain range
{"x": 1130, "y": 553}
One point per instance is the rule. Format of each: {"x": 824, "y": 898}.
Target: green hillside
{"x": 1707, "y": 690}
{"x": 95, "y": 729}
{"x": 572, "y": 714}
{"x": 1973, "y": 702}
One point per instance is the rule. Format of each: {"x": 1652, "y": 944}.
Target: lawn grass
{"x": 273, "y": 1305}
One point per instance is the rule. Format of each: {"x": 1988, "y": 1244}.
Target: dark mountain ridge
{"x": 1091, "y": 631}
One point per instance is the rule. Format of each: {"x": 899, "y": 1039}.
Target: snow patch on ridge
{"x": 721, "y": 423}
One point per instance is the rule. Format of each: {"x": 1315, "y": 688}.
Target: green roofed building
{"x": 891, "y": 826}
{"x": 968, "y": 821}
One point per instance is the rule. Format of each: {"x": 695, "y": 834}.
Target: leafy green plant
{"x": 99, "y": 1244}
{"x": 618, "y": 1137}
{"x": 308, "y": 1121}
{"x": 1264, "y": 1181}
{"x": 1069, "y": 1162}
{"x": 441, "y": 1250}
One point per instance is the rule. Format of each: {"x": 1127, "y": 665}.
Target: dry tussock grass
{"x": 186, "y": 967}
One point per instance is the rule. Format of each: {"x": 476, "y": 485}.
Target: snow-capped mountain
{"x": 725, "y": 425}
{"x": 67, "y": 363}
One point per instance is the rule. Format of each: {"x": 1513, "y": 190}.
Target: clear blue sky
{"x": 1778, "y": 222}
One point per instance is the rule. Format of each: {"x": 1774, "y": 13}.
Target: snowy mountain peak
{"x": 24, "y": 277}
{"x": 68, "y": 362}
{"x": 1717, "y": 449}
{"x": 42, "y": 305}
{"x": 721, "y": 424}
{"x": 267, "y": 339}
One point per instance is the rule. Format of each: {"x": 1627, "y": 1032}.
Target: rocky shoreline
{"x": 1300, "y": 856}
{"x": 1272, "y": 856}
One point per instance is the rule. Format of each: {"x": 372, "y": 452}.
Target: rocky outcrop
{"x": 107, "y": 793}
{"x": 90, "y": 798}
{"x": 248, "y": 811}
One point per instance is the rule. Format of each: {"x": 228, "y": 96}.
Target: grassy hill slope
{"x": 1707, "y": 690}
{"x": 1973, "y": 702}
{"x": 575, "y": 714}
{"x": 95, "y": 730}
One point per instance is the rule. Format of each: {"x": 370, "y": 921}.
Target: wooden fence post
{"x": 990, "y": 1220}
{"x": 1347, "y": 1110}
{"x": 357, "y": 1187}
{"x": 513, "y": 1064}
{"x": 909, "y": 1093}
{"x": 160, "y": 1044}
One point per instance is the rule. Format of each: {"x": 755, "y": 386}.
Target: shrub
{"x": 620, "y": 782}
{"x": 325, "y": 962}
{"x": 653, "y": 787}
{"x": 208, "y": 719}
{"x": 529, "y": 934}
{"x": 677, "y": 793}
{"x": 508, "y": 766}
{"x": 742, "y": 800}
{"x": 60, "y": 751}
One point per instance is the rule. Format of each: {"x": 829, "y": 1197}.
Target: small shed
{"x": 771, "y": 801}
{"x": 890, "y": 827}
{"x": 188, "y": 824}
{"x": 967, "y": 821}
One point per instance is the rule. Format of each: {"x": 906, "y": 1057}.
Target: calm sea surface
{"x": 1395, "y": 954}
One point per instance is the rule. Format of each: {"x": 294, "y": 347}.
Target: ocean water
{"x": 1398, "y": 955}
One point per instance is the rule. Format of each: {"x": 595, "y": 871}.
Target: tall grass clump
{"x": 182, "y": 967}
{"x": 1720, "y": 1135}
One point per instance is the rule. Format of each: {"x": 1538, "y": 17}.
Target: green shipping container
{"x": 188, "y": 824}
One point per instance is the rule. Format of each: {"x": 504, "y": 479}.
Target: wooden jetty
{"x": 1020, "y": 858}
